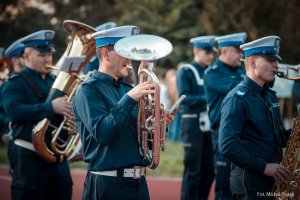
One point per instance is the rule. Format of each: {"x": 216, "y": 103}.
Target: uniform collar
{"x": 255, "y": 87}
{"x": 107, "y": 78}
{"x": 226, "y": 66}
{"x": 197, "y": 65}
{"x": 33, "y": 72}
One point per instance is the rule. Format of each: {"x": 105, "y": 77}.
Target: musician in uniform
{"x": 14, "y": 54}
{"x": 15, "y": 63}
{"x": 24, "y": 98}
{"x": 105, "y": 110}
{"x": 195, "y": 127}
{"x": 219, "y": 79}
{"x": 251, "y": 130}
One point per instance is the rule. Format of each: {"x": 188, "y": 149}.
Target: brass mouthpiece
{"x": 52, "y": 67}
{"x": 129, "y": 66}
{"x": 280, "y": 74}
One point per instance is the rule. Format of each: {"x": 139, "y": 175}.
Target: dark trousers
{"x": 247, "y": 185}
{"x": 198, "y": 171}
{"x": 35, "y": 179}
{"x": 222, "y": 170}
{"x": 97, "y": 187}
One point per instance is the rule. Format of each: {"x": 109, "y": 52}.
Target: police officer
{"x": 220, "y": 78}
{"x": 14, "y": 54}
{"x": 251, "y": 131}
{"x": 195, "y": 128}
{"x": 24, "y": 102}
{"x": 105, "y": 109}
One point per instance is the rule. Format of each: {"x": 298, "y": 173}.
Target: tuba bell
{"x": 291, "y": 159}
{"x": 55, "y": 139}
{"x": 151, "y": 124}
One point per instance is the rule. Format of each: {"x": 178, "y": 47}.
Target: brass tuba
{"x": 291, "y": 159}
{"x": 151, "y": 125}
{"x": 55, "y": 139}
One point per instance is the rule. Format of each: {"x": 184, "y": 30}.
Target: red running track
{"x": 159, "y": 188}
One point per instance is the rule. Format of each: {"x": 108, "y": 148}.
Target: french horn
{"x": 151, "y": 124}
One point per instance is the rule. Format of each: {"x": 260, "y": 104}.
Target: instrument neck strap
{"x": 32, "y": 84}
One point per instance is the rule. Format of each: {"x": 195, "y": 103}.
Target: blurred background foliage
{"x": 175, "y": 20}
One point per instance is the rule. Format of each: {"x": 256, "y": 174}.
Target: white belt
{"x": 25, "y": 144}
{"x": 135, "y": 173}
{"x": 189, "y": 115}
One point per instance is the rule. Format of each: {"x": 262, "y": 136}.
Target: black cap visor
{"x": 44, "y": 48}
{"x": 272, "y": 56}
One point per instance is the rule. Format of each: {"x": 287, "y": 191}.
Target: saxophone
{"x": 291, "y": 159}
{"x": 55, "y": 139}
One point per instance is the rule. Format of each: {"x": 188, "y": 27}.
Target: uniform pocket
{"x": 236, "y": 180}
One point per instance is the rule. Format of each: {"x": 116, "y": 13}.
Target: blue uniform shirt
{"x": 251, "y": 131}
{"x": 4, "y": 120}
{"x": 22, "y": 104}
{"x": 106, "y": 118}
{"x": 219, "y": 79}
{"x": 195, "y": 101}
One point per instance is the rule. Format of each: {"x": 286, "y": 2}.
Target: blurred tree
{"x": 19, "y": 18}
{"x": 175, "y": 20}
{"x": 172, "y": 19}
{"x": 258, "y": 19}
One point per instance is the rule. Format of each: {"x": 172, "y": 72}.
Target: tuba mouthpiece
{"x": 280, "y": 74}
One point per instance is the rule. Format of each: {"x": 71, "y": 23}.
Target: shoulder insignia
{"x": 210, "y": 68}
{"x": 240, "y": 93}
{"x": 214, "y": 67}
{"x": 14, "y": 76}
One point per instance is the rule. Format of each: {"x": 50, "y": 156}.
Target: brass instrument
{"x": 151, "y": 124}
{"x": 56, "y": 138}
{"x": 289, "y": 72}
{"x": 291, "y": 159}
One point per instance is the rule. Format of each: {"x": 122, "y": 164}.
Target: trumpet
{"x": 290, "y": 72}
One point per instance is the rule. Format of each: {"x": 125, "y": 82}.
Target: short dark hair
{"x": 109, "y": 47}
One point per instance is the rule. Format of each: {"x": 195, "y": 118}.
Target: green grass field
{"x": 171, "y": 161}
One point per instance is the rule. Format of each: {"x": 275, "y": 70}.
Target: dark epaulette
{"x": 241, "y": 91}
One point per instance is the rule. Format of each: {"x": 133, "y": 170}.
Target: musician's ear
{"x": 27, "y": 52}
{"x": 105, "y": 54}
